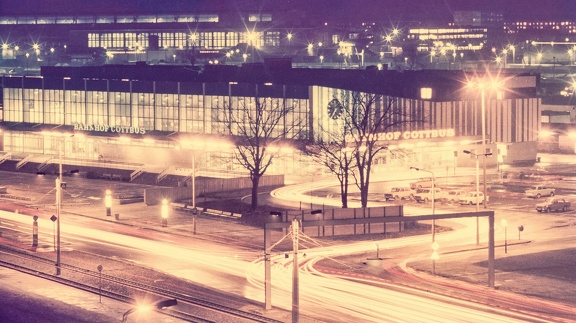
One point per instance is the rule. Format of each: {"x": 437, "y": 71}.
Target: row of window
{"x": 67, "y": 20}
{"x": 161, "y": 112}
{"x": 212, "y": 40}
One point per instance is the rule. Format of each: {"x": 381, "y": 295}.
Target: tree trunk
{"x": 364, "y": 196}
{"x": 344, "y": 192}
{"x": 255, "y": 183}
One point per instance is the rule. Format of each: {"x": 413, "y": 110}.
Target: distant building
{"x": 478, "y": 19}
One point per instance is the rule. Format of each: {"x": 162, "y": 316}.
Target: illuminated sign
{"x": 417, "y": 134}
{"x": 114, "y": 129}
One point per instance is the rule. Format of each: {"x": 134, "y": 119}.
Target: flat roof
{"x": 447, "y": 85}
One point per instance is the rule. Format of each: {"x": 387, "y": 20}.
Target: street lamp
{"x": 504, "y": 224}
{"x": 478, "y": 189}
{"x": 27, "y": 57}
{"x": 433, "y": 199}
{"x": 108, "y": 202}
{"x": 164, "y": 212}
{"x": 483, "y": 84}
{"x": 434, "y": 256}
{"x": 58, "y": 205}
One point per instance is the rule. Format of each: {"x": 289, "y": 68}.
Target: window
{"x": 426, "y": 93}
{"x": 120, "y": 109}
{"x": 53, "y": 107}
{"x": 167, "y": 112}
{"x": 143, "y": 106}
{"x": 97, "y": 108}
{"x": 75, "y": 111}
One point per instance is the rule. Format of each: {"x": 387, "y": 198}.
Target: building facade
{"x": 143, "y": 115}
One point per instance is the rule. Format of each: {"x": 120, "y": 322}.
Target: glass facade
{"x": 180, "y": 40}
{"x": 217, "y": 112}
{"x": 131, "y": 107}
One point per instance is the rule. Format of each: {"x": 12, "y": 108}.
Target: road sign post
{"x": 35, "y": 232}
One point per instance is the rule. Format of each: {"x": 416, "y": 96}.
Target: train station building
{"x": 162, "y": 117}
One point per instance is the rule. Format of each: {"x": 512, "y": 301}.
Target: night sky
{"x": 330, "y": 10}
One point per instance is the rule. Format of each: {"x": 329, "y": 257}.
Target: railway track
{"x": 190, "y": 308}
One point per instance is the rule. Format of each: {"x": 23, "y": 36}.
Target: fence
{"x": 350, "y": 228}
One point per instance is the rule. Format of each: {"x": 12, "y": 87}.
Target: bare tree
{"x": 261, "y": 128}
{"x": 335, "y": 155}
{"x": 369, "y": 116}
{"x": 352, "y": 148}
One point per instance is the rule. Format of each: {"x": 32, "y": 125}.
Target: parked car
{"x": 553, "y": 203}
{"x": 425, "y": 195}
{"x": 421, "y": 183}
{"x": 496, "y": 187}
{"x": 399, "y": 193}
{"x": 452, "y": 196}
{"x": 538, "y": 191}
{"x": 472, "y": 198}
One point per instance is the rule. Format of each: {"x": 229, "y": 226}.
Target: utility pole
{"x": 58, "y": 206}
{"x": 295, "y": 289}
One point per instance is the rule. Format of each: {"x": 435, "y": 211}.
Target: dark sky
{"x": 379, "y": 10}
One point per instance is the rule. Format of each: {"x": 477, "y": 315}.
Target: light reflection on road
{"x": 329, "y": 297}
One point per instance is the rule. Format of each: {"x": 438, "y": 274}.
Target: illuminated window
{"x": 426, "y": 93}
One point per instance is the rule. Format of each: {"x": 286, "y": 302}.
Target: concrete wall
{"x": 154, "y": 196}
{"x": 521, "y": 152}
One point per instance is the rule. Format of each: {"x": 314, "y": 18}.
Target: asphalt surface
{"x": 541, "y": 269}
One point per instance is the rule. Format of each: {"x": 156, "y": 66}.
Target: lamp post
{"x": 478, "y": 189}
{"x": 295, "y": 278}
{"x": 483, "y": 108}
{"x": 433, "y": 199}
{"x": 27, "y": 57}
{"x": 58, "y": 207}
{"x": 194, "y": 209}
{"x": 194, "y": 146}
{"x": 482, "y": 84}
{"x": 504, "y": 224}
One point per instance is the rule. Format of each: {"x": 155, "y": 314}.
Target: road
{"x": 324, "y": 295}
{"x": 223, "y": 268}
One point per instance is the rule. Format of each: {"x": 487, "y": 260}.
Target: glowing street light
{"x": 539, "y": 55}
{"x": 513, "y": 49}
{"x": 27, "y": 57}
{"x": 483, "y": 84}
{"x": 144, "y": 308}
{"x": 108, "y": 202}
{"x": 434, "y": 256}
{"x": 433, "y": 199}
{"x": 164, "y": 212}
